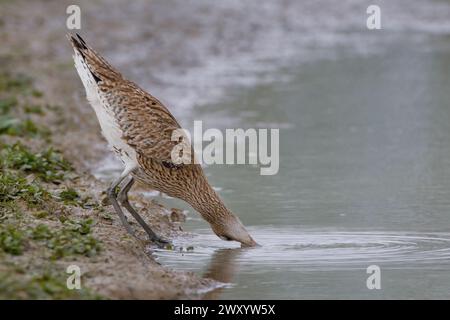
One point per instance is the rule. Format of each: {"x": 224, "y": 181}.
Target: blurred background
{"x": 364, "y": 119}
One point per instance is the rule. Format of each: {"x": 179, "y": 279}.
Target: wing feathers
{"x": 146, "y": 123}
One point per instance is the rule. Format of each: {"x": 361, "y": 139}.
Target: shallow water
{"x": 364, "y": 163}
{"x": 318, "y": 263}
{"x": 364, "y": 179}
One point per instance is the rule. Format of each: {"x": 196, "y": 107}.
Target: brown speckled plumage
{"x": 139, "y": 128}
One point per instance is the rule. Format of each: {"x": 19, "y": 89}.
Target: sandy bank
{"x": 113, "y": 265}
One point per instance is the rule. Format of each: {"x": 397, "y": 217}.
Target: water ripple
{"x": 313, "y": 250}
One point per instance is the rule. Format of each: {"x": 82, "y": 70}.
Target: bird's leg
{"x": 112, "y": 195}
{"x": 123, "y": 199}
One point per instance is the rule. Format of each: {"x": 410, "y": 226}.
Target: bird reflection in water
{"x": 222, "y": 268}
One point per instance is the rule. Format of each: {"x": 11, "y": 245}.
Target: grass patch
{"x": 48, "y": 284}
{"x": 41, "y": 214}
{"x": 70, "y": 196}
{"x": 73, "y": 237}
{"x": 37, "y": 93}
{"x": 7, "y": 104}
{"x": 34, "y": 109}
{"x": 12, "y": 240}
{"x": 15, "y": 83}
{"x": 13, "y": 187}
{"x": 48, "y": 165}
{"x": 35, "y": 224}
{"x": 10, "y": 88}
{"x": 68, "y": 237}
{"x": 22, "y": 128}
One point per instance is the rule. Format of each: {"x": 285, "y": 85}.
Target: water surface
{"x": 364, "y": 179}
{"x": 364, "y": 119}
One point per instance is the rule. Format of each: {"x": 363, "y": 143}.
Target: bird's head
{"x": 232, "y": 229}
{"x": 225, "y": 224}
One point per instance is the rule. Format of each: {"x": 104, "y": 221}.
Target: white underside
{"x": 110, "y": 128}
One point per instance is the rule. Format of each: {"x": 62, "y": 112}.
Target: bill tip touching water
{"x": 138, "y": 128}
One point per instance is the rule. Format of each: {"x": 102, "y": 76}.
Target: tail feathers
{"x": 101, "y": 70}
{"x": 77, "y": 42}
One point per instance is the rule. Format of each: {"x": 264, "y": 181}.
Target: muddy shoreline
{"x": 34, "y": 47}
{"x": 186, "y": 53}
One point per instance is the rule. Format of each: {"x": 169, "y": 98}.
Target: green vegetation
{"x": 48, "y": 165}
{"x": 18, "y": 83}
{"x": 36, "y": 93}
{"x": 7, "y": 104}
{"x": 35, "y": 212}
{"x": 35, "y": 108}
{"x": 47, "y": 284}
{"x": 21, "y": 128}
{"x": 69, "y": 237}
{"x": 13, "y": 187}
{"x": 70, "y": 196}
{"x": 11, "y": 239}
{"x": 11, "y": 123}
{"x": 74, "y": 238}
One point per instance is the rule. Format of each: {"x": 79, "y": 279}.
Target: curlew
{"x": 138, "y": 129}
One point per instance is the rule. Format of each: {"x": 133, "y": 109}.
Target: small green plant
{"x": 21, "y": 128}
{"x": 7, "y": 104}
{"x": 47, "y": 284}
{"x": 35, "y": 223}
{"x": 36, "y": 93}
{"x": 102, "y": 213}
{"x": 73, "y": 238}
{"x": 79, "y": 226}
{"x": 70, "y": 196}
{"x": 12, "y": 240}
{"x": 15, "y": 83}
{"x": 41, "y": 214}
{"x": 48, "y": 165}
{"x": 13, "y": 187}
{"x": 35, "y": 109}
{"x": 41, "y": 232}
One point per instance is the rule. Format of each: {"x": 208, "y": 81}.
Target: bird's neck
{"x": 211, "y": 207}
{"x": 207, "y": 202}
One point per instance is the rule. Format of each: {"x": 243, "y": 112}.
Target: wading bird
{"x": 138, "y": 128}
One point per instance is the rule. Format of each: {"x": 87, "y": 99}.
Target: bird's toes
{"x": 161, "y": 242}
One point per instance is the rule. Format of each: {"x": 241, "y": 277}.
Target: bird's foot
{"x": 160, "y": 242}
